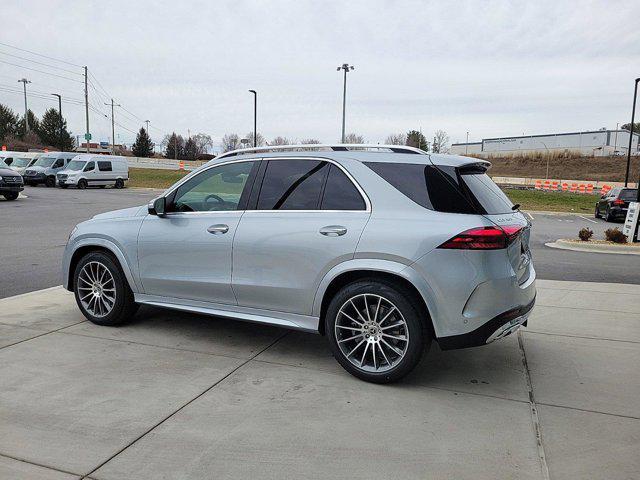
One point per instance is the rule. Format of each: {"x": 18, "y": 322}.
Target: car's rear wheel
{"x": 375, "y": 332}
{"x": 102, "y": 291}
{"x": 119, "y": 183}
{"x": 608, "y": 216}
{"x": 50, "y": 182}
{"x": 597, "y": 212}
{"x": 82, "y": 184}
{"x": 10, "y": 195}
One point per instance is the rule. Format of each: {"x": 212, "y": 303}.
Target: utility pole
{"x": 346, "y": 67}
{"x": 466, "y": 145}
{"x": 86, "y": 106}
{"x": 633, "y": 116}
{"x": 147, "y": 122}
{"x": 113, "y": 128}
{"x": 615, "y": 142}
{"x": 255, "y": 118}
{"x": 26, "y": 110}
{"x": 60, "y": 117}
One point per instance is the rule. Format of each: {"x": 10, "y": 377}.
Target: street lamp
{"x": 255, "y": 118}
{"x": 347, "y": 68}
{"x": 24, "y": 81}
{"x": 60, "y": 117}
{"x": 633, "y": 114}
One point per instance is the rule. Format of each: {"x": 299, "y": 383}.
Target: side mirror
{"x": 158, "y": 206}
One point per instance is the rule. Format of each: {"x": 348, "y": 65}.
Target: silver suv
{"x": 381, "y": 249}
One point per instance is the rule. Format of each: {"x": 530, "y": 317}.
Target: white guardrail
{"x": 163, "y": 163}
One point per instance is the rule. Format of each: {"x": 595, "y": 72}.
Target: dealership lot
{"x": 173, "y": 395}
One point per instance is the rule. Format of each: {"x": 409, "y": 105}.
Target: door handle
{"x": 333, "y": 230}
{"x": 218, "y": 229}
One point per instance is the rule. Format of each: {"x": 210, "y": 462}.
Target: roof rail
{"x": 339, "y": 147}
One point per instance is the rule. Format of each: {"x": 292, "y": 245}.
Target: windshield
{"x": 20, "y": 162}
{"x": 76, "y": 165}
{"x": 44, "y": 162}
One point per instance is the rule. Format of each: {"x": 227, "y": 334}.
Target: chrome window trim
{"x": 363, "y": 194}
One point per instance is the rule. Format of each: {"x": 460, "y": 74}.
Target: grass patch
{"x": 552, "y": 201}
{"x": 154, "y": 177}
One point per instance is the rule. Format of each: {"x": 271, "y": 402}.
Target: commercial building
{"x": 597, "y": 143}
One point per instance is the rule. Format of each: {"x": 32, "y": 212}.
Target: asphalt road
{"x": 34, "y": 230}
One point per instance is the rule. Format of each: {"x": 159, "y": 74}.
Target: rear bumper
{"x": 498, "y": 327}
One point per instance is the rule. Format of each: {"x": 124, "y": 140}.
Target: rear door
{"x": 307, "y": 216}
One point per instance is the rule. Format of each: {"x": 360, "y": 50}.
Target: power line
{"x": 38, "y": 95}
{"x": 40, "y": 63}
{"x": 40, "y": 71}
{"x": 40, "y": 55}
{"x": 100, "y": 85}
{"x": 46, "y": 94}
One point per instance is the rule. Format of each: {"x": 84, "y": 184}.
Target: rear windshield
{"x": 629, "y": 195}
{"x": 445, "y": 189}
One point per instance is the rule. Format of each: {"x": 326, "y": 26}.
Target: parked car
{"x": 10, "y": 182}
{"x": 46, "y": 167}
{"x": 382, "y": 249}
{"x": 94, "y": 170}
{"x": 23, "y": 160}
{"x": 614, "y": 204}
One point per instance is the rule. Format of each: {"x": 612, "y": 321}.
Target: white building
{"x": 596, "y": 143}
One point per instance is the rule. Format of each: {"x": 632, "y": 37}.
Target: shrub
{"x": 585, "y": 234}
{"x": 614, "y": 235}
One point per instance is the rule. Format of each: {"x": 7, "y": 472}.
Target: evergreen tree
{"x": 173, "y": 146}
{"x": 34, "y": 124}
{"x": 143, "y": 146}
{"x": 417, "y": 139}
{"x": 190, "y": 149}
{"x": 53, "y": 131}
{"x": 8, "y": 122}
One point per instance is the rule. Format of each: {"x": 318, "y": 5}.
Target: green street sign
{"x": 87, "y": 136}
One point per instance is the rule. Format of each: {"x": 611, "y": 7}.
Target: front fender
{"x": 378, "y": 265}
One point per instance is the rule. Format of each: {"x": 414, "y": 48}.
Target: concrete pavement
{"x": 173, "y": 395}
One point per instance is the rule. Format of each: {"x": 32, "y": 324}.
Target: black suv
{"x": 11, "y": 183}
{"x": 614, "y": 204}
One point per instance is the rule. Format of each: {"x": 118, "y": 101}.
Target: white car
{"x": 94, "y": 170}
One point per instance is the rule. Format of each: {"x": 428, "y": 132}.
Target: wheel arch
{"x": 382, "y": 270}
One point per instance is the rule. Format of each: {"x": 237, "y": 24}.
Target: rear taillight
{"x": 617, "y": 201}
{"x": 484, "y": 238}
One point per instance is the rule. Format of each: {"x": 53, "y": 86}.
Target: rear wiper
{"x": 516, "y": 207}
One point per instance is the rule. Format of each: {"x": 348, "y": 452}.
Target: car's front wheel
{"x": 375, "y": 331}
{"x": 50, "y": 182}
{"x": 10, "y": 195}
{"x": 102, "y": 291}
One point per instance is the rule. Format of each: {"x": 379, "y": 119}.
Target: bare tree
{"x": 396, "y": 139}
{"x": 353, "y": 138}
{"x": 203, "y": 143}
{"x": 230, "y": 141}
{"x": 260, "y": 140}
{"x": 440, "y": 142}
{"x": 280, "y": 141}
{"x": 310, "y": 141}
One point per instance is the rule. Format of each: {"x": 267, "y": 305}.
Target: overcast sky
{"x": 490, "y": 68}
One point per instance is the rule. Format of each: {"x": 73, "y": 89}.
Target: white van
{"x": 20, "y": 161}
{"x": 94, "y": 170}
{"x": 46, "y": 167}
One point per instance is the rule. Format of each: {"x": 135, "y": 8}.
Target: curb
{"x": 593, "y": 247}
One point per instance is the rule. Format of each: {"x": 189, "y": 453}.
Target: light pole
{"x": 147, "y": 122}
{"x": 255, "y": 118}
{"x": 466, "y": 145}
{"x": 26, "y": 110}
{"x": 60, "y": 117}
{"x": 633, "y": 117}
{"x": 347, "y": 68}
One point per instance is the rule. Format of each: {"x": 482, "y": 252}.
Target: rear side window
{"x": 104, "y": 166}
{"x": 340, "y": 193}
{"x": 292, "y": 185}
{"x": 445, "y": 189}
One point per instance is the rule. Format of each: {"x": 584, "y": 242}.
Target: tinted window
{"x": 104, "y": 166}
{"x": 89, "y": 167}
{"x": 292, "y": 185}
{"x": 629, "y": 195}
{"x": 340, "y": 193}
{"x": 215, "y": 189}
{"x": 59, "y": 163}
{"x": 487, "y": 193}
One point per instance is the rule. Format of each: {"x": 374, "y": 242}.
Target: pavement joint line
{"x": 13, "y": 297}
{"x": 582, "y": 336}
{"x": 586, "y": 410}
{"x": 42, "y": 465}
{"x": 133, "y": 342}
{"x": 157, "y": 424}
{"x": 19, "y": 326}
{"x": 41, "y": 335}
{"x": 588, "y": 309}
{"x": 589, "y": 290}
{"x": 535, "y": 419}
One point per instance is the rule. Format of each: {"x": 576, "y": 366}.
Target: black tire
{"x": 82, "y": 184}
{"x": 50, "y": 182}
{"x": 597, "y": 212}
{"x": 608, "y": 217}
{"x": 10, "y": 195}
{"x": 124, "y": 306}
{"x": 119, "y": 183}
{"x": 418, "y": 341}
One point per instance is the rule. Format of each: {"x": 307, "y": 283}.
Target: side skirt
{"x": 281, "y": 319}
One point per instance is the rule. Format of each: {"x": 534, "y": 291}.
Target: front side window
{"x": 215, "y": 189}
{"x": 292, "y": 185}
{"x": 59, "y": 163}
{"x": 90, "y": 166}
{"x": 104, "y": 166}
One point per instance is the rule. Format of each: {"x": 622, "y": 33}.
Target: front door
{"x": 187, "y": 253}
{"x": 308, "y": 217}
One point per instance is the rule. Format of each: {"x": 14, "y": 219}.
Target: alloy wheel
{"x": 96, "y": 289}
{"x": 371, "y": 332}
